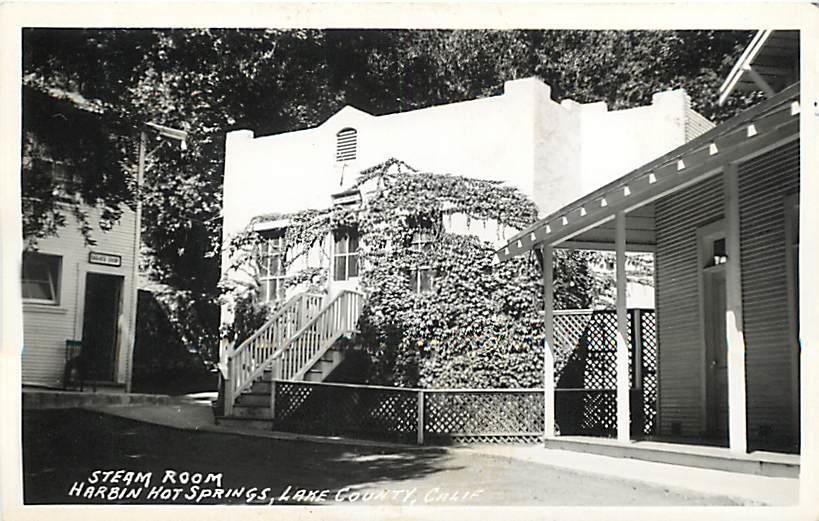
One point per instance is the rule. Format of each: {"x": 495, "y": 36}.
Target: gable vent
{"x": 346, "y": 144}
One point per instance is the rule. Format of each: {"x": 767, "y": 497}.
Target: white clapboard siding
{"x": 696, "y": 124}
{"x": 681, "y": 344}
{"x": 764, "y": 182}
{"x": 46, "y": 328}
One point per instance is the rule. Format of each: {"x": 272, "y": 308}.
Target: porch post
{"x": 623, "y": 406}
{"x": 808, "y": 280}
{"x": 548, "y": 347}
{"x": 735, "y": 340}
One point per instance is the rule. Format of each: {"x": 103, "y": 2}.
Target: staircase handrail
{"x": 243, "y": 367}
{"x": 314, "y": 319}
{"x": 276, "y": 316}
{"x": 288, "y": 368}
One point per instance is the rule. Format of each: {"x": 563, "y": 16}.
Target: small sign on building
{"x": 106, "y": 259}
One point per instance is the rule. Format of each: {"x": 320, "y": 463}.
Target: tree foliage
{"x": 210, "y": 81}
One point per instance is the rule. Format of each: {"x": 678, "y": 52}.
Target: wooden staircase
{"x": 297, "y": 343}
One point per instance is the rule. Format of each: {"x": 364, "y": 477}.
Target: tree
{"x": 210, "y": 81}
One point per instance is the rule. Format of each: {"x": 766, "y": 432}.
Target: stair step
{"x": 314, "y": 375}
{"x": 254, "y": 399}
{"x": 252, "y": 411}
{"x": 260, "y": 387}
{"x": 247, "y": 423}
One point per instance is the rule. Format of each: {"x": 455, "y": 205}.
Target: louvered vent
{"x": 346, "y": 144}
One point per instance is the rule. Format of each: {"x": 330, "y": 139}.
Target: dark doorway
{"x": 100, "y": 325}
{"x": 716, "y": 353}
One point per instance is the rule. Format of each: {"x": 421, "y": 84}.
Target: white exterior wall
{"x": 522, "y": 137}
{"x": 553, "y": 152}
{"x": 616, "y": 142}
{"x": 47, "y": 327}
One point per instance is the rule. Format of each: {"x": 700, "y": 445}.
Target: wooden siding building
{"x": 721, "y": 215}
{"x": 91, "y": 303}
{"x": 78, "y": 299}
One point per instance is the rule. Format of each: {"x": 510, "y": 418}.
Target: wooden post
{"x": 301, "y": 319}
{"x": 637, "y": 332}
{"x": 274, "y": 373}
{"x": 420, "y": 417}
{"x": 129, "y": 362}
{"x": 229, "y": 388}
{"x": 734, "y": 337}
{"x": 548, "y": 345}
{"x": 623, "y": 384}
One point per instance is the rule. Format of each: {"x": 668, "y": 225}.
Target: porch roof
{"x": 769, "y": 63}
{"x": 752, "y": 132}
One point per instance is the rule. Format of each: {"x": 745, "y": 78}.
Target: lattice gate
{"x": 650, "y": 375}
{"x": 585, "y": 371}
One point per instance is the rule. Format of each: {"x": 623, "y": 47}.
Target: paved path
{"x": 743, "y": 488}
{"x": 63, "y": 447}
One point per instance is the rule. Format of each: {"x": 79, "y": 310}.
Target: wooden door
{"x": 716, "y": 351}
{"x": 100, "y": 338}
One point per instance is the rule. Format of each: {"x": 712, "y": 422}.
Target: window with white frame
{"x": 346, "y": 144}
{"x": 422, "y": 277}
{"x": 271, "y": 266}
{"x": 345, "y": 254}
{"x": 41, "y": 278}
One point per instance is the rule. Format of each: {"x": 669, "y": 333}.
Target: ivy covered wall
{"x": 479, "y": 324}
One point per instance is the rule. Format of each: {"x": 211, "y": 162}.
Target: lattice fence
{"x": 484, "y": 416}
{"x": 585, "y": 401}
{"x": 386, "y": 413}
{"x": 347, "y": 410}
{"x": 648, "y": 323}
{"x": 585, "y": 371}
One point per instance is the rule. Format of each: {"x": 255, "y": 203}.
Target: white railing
{"x": 306, "y": 347}
{"x": 249, "y": 359}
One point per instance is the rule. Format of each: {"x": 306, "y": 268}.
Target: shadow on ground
{"x": 64, "y": 446}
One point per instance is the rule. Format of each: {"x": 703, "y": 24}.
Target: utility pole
{"x": 166, "y": 132}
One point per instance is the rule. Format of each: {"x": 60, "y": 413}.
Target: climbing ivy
{"x": 481, "y": 323}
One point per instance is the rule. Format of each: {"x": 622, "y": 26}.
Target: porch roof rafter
{"x": 767, "y": 124}
{"x": 766, "y": 64}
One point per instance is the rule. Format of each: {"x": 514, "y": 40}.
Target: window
{"x": 718, "y": 252}
{"x": 346, "y": 255}
{"x": 66, "y": 180}
{"x": 41, "y": 278}
{"x": 346, "y": 144}
{"x": 271, "y": 264}
{"x": 713, "y": 250}
{"x": 422, "y": 277}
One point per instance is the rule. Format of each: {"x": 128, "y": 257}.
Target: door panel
{"x": 716, "y": 353}
{"x": 100, "y": 331}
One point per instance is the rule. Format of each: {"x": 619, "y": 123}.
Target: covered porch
{"x": 702, "y": 211}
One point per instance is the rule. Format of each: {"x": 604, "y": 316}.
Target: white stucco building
{"x": 553, "y": 151}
